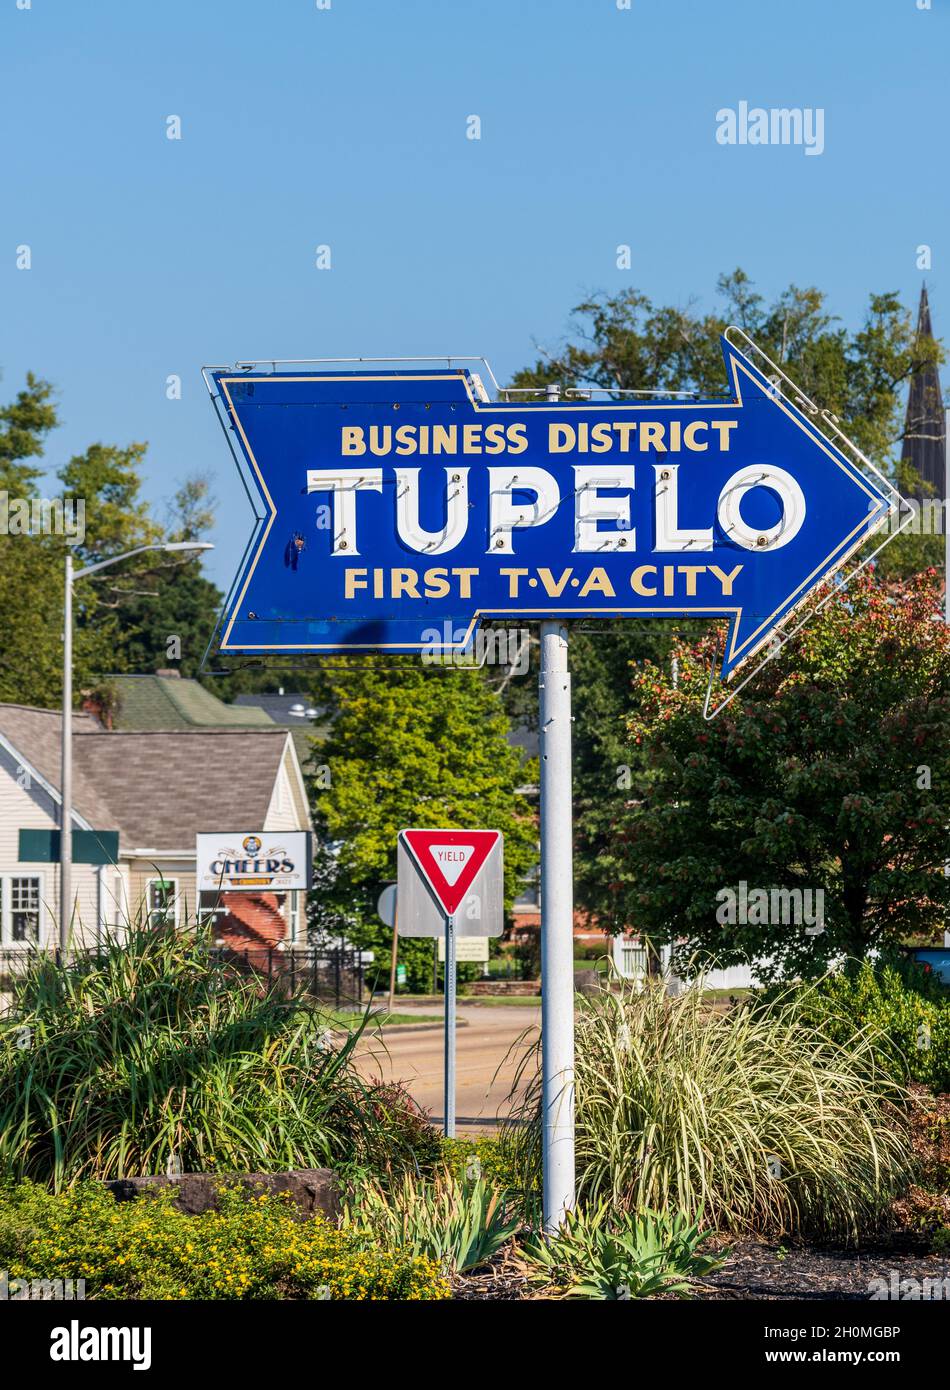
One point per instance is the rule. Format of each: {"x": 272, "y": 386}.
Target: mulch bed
{"x": 499, "y": 1279}
{"x": 753, "y": 1270}
{"x": 756, "y": 1270}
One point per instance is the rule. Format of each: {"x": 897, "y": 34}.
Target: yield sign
{"x": 449, "y": 860}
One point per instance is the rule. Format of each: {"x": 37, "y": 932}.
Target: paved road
{"x": 493, "y": 1041}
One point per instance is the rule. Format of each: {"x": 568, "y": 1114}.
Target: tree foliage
{"x": 830, "y": 771}
{"x": 155, "y": 610}
{"x": 626, "y": 342}
{"x": 408, "y": 746}
{"x": 24, "y": 425}
{"x": 31, "y": 568}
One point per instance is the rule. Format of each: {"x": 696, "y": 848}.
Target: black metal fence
{"x": 334, "y": 976}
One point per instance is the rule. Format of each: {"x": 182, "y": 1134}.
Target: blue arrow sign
{"x": 400, "y": 508}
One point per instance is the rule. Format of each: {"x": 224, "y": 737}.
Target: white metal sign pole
{"x": 557, "y": 927}
{"x": 450, "y": 1027}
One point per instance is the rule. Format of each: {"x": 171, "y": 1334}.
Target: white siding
{"x": 19, "y": 810}
{"x": 629, "y": 958}
{"x": 115, "y": 895}
{"x": 158, "y": 866}
{"x": 288, "y": 808}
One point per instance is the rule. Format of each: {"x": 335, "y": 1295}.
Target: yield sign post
{"x": 461, "y": 871}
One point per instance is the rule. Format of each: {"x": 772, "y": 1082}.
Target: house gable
{"x": 288, "y": 809}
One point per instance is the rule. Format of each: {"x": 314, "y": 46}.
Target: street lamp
{"x": 66, "y": 781}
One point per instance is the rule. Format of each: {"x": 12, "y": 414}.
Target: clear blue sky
{"x": 347, "y": 126}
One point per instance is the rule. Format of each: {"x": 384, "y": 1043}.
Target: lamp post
{"x": 66, "y": 778}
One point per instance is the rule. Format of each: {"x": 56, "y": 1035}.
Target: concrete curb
{"x": 422, "y": 1027}
{"x": 398, "y": 1028}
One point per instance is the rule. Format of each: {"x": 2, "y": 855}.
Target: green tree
{"x": 169, "y": 614}
{"x": 109, "y": 480}
{"x": 31, "y": 625}
{"x": 153, "y": 611}
{"x": 625, "y": 342}
{"x": 31, "y": 567}
{"x": 830, "y": 771}
{"x": 407, "y": 745}
{"x": 162, "y": 606}
{"x": 603, "y": 661}
{"x": 24, "y": 425}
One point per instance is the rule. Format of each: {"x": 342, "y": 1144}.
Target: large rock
{"x": 314, "y": 1190}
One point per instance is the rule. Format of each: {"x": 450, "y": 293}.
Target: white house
{"x": 158, "y": 789}
{"x": 630, "y": 962}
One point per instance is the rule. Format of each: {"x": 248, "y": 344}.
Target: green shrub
{"x": 592, "y": 950}
{"x": 151, "y": 1054}
{"x": 619, "y": 1255}
{"x": 907, "y": 1011}
{"x": 415, "y": 1141}
{"x": 499, "y": 1162}
{"x": 456, "y": 1224}
{"x": 249, "y": 1249}
{"x": 485, "y": 1157}
{"x": 755, "y": 1116}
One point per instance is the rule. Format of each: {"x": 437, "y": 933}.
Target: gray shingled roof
{"x": 35, "y": 734}
{"x": 157, "y": 789}
{"x": 277, "y": 708}
{"x": 163, "y": 788}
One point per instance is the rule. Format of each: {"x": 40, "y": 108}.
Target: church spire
{"x": 925, "y": 433}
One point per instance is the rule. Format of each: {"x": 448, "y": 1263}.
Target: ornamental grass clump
{"x": 246, "y": 1249}
{"x": 756, "y": 1117}
{"x": 150, "y": 1055}
{"x": 457, "y": 1223}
